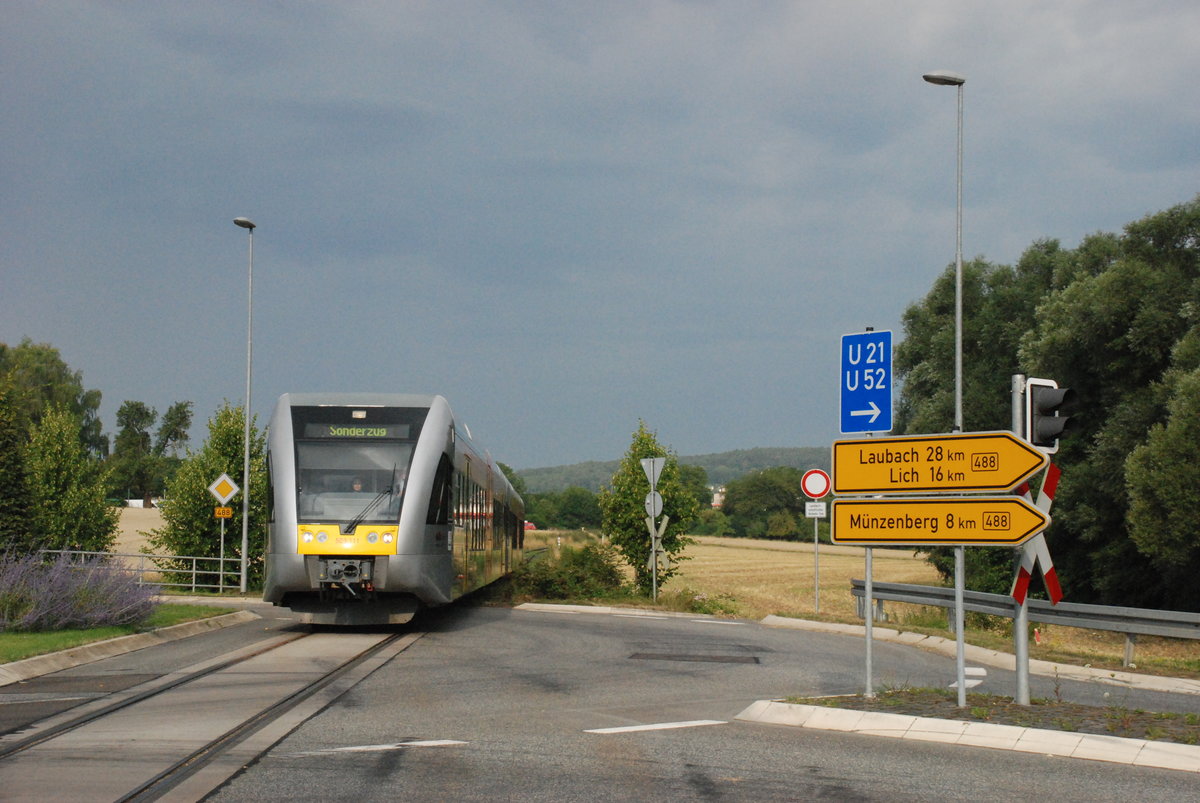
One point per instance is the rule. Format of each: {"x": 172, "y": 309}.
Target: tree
{"x": 1160, "y": 474}
{"x": 173, "y": 431}
{"x": 578, "y": 508}
{"x": 189, "y": 527}
{"x": 141, "y": 463}
{"x": 136, "y": 470}
{"x": 14, "y": 494}
{"x": 622, "y": 505}
{"x": 1115, "y": 319}
{"x": 753, "y": 503}
{"x": 67, "y": 488}
{"x": 514, "y": 479}
{"x": 542, "y": 510}
{"x": 39, "y": 378}
{"x": 695, "y": 479}
{"x": 1118, "y": 335}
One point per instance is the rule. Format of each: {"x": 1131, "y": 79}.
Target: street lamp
{"x": 247, "y": 224}
{"x": 945, "y": 78}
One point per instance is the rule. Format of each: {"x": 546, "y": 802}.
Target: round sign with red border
{"x": 815, "y": 483}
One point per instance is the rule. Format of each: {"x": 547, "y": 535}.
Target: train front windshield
{"x": 352, "y": 462}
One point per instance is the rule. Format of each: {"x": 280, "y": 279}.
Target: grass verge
{"x": 1110, "y": 720}
{"x": 15, "y": 646}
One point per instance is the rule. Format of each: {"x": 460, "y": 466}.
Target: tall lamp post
{"x": 248, "y": 225}
{"x": 946, "y": 78}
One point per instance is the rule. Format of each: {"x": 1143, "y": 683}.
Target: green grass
{"x": 15, "y": 646}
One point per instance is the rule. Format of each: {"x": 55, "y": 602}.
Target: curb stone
{"x": 38, "y": 665}
{"x": 1112, "y": 749}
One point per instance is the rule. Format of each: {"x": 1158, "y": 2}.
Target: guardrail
{"x": 206, "y": 573}
{"x": 1132, "y": 622}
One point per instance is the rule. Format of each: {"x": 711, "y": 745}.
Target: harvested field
{"x": 777, "y": 577}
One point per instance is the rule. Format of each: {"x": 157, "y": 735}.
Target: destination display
{"x": 965, "y": 521}
{"x": 312, "y": 430}
{"x": 952, "y": 463}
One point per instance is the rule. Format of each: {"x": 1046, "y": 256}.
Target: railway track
{"x": 180, "y": 736}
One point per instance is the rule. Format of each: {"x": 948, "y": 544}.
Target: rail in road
{"x": 182, "y": 735}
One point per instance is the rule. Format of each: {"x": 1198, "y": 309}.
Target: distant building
{"x": 718, "y": 492}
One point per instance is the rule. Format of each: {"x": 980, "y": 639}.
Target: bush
{"x": 38, "y": 596}
{"x": 591, "y": 571}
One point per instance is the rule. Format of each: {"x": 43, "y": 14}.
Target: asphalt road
{"x": 504, "y": 704}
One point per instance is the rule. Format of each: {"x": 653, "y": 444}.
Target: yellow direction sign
{"x": 223, "y": 512}
{"x": 956, "y": 463}
{"x": 941, "y": 521}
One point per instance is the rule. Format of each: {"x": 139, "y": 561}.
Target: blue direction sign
{"x": 866, "y": 382}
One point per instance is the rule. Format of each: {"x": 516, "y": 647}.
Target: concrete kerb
{"x": 1139, "y": 752}
{"x": 18, "y": 671}
{"x": 1000, "y": 660}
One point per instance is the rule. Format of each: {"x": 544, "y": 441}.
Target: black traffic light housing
{"x": 1046, "y": 405}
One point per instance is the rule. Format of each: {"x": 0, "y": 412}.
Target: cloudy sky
{"x": 563, "y": 216}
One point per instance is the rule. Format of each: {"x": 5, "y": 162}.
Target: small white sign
{"x": 814, "y": 510}
{"x": 223, "y": 489}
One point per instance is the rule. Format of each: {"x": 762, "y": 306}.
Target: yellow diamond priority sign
{"x": 223, "y": 489}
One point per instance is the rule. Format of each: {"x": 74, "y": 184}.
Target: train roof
{"x": 365, "y": 399}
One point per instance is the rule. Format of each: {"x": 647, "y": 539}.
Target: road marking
{"x": 717, "y": 622}
{"x": 660, "y": 726}
{"x": 638, "y": 616}
{"x": 380, "y": 748}
{"x": 974, "y": 676}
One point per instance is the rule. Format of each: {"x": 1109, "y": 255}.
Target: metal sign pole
{"x": 960, "y": 644}
{"x": 221, "y": 565}
{"x": 816, "y": 570}
{"x": 1021, "y": 619}
{"x": 868, "y": 593}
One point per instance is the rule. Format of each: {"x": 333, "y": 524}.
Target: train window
{"x": 439, "y": 498}
{"x": 353, "y": 462}
{"x": 336, "y": 480}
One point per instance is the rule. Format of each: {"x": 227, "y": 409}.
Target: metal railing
{"x": 1132, "y": 622}
{"x": 205, "y": 573}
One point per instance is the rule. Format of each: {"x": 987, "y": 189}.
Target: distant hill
{"x": 721, "y": 467}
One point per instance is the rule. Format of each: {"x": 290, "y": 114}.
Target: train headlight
{"x": 388, "y": 538}
{"x": 372, "y": 537}
{"x": 322, "y": 537}
{"x": 307, "y": 537}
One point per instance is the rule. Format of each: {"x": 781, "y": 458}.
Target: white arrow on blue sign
{"x": 866, "y": 382}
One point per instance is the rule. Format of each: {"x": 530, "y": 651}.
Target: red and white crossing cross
{"x": 1035, "y": 550}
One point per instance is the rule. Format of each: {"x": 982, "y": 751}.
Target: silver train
{"x": 380, "y": 505}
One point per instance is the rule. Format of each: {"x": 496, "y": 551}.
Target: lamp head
{"x": 944, "y": 78}
{"x": 244, "y": 222}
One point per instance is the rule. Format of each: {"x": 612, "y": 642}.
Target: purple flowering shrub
{"x": 36, "y": 595}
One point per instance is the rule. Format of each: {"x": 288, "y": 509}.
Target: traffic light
{"x": 1046, "y": 405}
